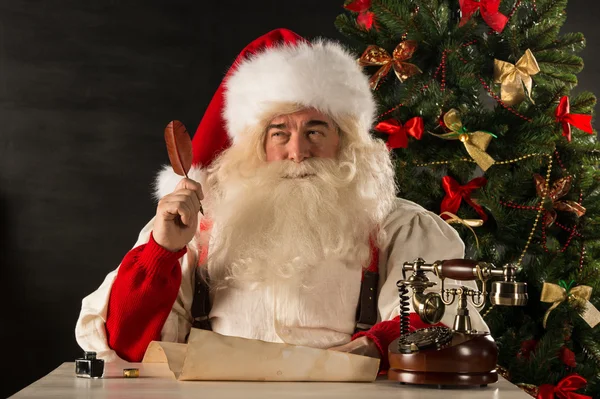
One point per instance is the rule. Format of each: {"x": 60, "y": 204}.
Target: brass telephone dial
{"x": 449, "y": 356}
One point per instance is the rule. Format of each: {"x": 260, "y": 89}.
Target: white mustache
{"x": 305, "y": 169}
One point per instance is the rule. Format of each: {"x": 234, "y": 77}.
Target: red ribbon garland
{"x": 564, "y": 389}
{"x": 581, "y": 121}
{"x": 455, "y": 193}
{"x": 488, "y": 10}
{"x": 399, "y": 133}
{"x": 365, "y": 18}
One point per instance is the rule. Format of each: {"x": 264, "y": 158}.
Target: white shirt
{"x": 321, "y": 316}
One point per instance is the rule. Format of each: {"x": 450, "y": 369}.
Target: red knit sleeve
{"x": 384, "y": 332}
{"x": 141, "y": 298}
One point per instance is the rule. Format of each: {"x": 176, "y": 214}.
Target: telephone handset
{"x": 440, "y": 355}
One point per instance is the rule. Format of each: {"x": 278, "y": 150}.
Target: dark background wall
{"x": 86, "y": 88}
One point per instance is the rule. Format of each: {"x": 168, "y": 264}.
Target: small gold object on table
{"x": 131, "y": 373}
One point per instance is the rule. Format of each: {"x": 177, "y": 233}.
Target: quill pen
{"x": 179, "y": 148}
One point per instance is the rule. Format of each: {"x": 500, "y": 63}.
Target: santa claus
{"x": 299, "y": 207}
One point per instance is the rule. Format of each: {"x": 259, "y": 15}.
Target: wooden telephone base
{"x": 467, "y": 360}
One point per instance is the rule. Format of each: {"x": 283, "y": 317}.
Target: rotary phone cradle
{"x": 445, "y": 356}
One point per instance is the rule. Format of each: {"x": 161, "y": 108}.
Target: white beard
{"x": 275, "y": 224}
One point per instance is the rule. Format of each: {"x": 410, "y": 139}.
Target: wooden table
{"x": 156, "y": 381}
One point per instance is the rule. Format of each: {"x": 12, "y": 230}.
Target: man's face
{"x": 265, "y": 212}
{"x": 301, "y": 135}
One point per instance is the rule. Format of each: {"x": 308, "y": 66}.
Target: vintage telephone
{"x": 449, "y": 356}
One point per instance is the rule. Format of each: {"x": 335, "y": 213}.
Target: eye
{"x": 314, "y": 132}
{"x": 277, "y": 134}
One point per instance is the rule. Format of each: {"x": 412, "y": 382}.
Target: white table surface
{"x": 156, "y": 381}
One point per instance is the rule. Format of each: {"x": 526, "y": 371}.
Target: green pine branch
{"x": 583, "y": 103}
{"x": 591, "y": 348}
{"x": 556, "y": 62}
{"x": 395, "y": 16}
{"x": 570, "y": 42}
{"x": 433, "y": 15}
{"x": 348, "y": 27}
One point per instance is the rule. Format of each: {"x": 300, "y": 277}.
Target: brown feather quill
{"x": 179, "y": 147}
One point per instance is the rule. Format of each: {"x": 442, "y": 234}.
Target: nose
{"x": 298, "y": 148}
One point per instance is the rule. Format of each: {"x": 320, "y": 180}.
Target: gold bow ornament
{"x": 476, "y": 143}
{"x": 559, "y": 189}
{"x": 513, "y": 77}
{"x": 375, "y": 55}
{"x": 580, "y": 295}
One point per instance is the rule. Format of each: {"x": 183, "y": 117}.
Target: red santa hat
{"x": 278, "y": 67}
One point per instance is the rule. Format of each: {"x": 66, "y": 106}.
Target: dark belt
{"x": 366, "y": 311}
{"x": 201, "y": 303}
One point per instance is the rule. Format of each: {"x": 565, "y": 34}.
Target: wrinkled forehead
{"x": 302, "y": 117}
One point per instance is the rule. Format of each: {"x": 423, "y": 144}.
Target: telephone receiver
{"x": 446, "y": 356}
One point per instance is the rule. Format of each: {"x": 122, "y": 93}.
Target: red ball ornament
{"x": 441, "y": 122}
{"x": 527, "y": 348}
{"x": 567, "y": 356}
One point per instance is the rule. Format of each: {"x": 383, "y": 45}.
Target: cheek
{"x": 330, "y": 148}
{"x": 273, "y": 153}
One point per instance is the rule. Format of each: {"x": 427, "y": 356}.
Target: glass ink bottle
{"x": 89, "y": 366}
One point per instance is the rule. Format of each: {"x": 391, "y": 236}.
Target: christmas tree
{"x": 475, "y": 104}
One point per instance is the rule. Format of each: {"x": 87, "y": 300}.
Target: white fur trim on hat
{"x": 167, "y": 180}
{"x": 322, "y": 75}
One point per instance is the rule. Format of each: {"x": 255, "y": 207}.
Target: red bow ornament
{"x": 581, "y": 121}
{"x": 565, "y": 389}
{"x": 559, "y": 189}
{"x": 488, "y": 10}
{"x": 455, "y": 193}
{"x": 365, "y": 17}
{"x": 399, "y": 133}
